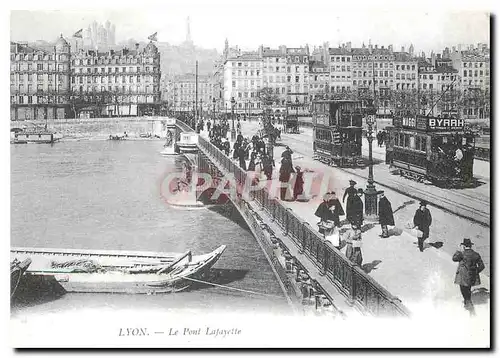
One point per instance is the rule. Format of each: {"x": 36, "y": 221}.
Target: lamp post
{"x": 233, "y": 132}
{"x": 297, "y": 111}
{"x": 370, "y": 192}
{"x": 213, "y": 108}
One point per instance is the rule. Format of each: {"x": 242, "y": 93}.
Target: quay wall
{"x": 98, "y": 127}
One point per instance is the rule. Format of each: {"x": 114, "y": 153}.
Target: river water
{"x": 106, "y": 195}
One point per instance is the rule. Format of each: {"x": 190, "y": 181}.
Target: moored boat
{"x": 118, "y": 272}
{"x": 17, "y": 270}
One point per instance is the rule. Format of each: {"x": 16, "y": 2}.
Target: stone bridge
{"x": 313, "y": 274}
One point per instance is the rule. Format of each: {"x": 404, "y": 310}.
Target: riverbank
{"x": 100, "y": 128}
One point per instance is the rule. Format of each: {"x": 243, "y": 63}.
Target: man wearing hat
{"x": 350, "y": 193}
{"x": 356, "y": 209}
{"x": 422, "y": 220}
{"x": 470, "y": 265}
{"x": 385, "y": 214}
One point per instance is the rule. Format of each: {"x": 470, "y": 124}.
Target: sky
{"x": 249, "y": 24}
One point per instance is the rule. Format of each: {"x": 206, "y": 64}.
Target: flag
{"x": 78, "y": 34}
{"x": 153, "y": 37}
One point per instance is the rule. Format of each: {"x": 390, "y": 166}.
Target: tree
{"x": 267, "y": 97}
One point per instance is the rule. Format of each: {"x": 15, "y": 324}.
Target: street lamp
{"x": 213, "y": 108}
{"x": 370, "y": 192}
{"x": 233, "y": 132}
{"x": 297, "y": 111}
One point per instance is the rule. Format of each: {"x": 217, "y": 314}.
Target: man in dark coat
{"x": 286, "y": 171}
{"x": 470, "y": 266}
{"x": 323, "y": 212}
{"x": 242, "y": 153}
{"x": 385, "y": 215}
{"x": 422, "y": 221}
{"x": 350, "y": 193}
{"x": 357, "y": 209}
{"x": 267, "y": 166}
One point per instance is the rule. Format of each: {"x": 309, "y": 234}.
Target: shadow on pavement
{"x": 481, "y": 296}
{"x": 370, "y": 266}
{"x": 367, "y": 227}
{"x": 405, "y": 204}
{"x": 437, "y": 244}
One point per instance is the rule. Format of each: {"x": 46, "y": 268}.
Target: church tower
{"x": 188, "y": 30}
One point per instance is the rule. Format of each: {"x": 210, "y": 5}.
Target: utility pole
{"x": 196, "y": 95}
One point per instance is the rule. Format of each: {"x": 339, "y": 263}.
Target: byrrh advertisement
{"x": 249, "y": 174}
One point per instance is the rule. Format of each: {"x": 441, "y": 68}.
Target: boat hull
{"x": 118, "y": 281}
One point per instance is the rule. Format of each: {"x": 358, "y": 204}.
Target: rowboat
{"x": 105, "y": 271}
{"x": 17, "y": 270}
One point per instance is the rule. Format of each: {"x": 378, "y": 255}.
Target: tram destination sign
{"x": 429, "y": 123}
{"x": 411, "y": 122}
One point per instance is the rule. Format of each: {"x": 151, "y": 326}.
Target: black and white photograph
{"x": 249, "y": 174}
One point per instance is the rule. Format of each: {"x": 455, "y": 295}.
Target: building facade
{"x": 297, "y": 60}
{"x": 319, "y": 80}
{"x": 116, "y": 83}
{"x": 183, "y": 94}
{"x": 274, "y": 72}
{"x": 243, "y": 82}
{"x": 340, "y": 64}
{"x": 473, "y": 66}
{"x": 39, "y": 81}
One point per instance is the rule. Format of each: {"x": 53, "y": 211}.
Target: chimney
{"x": 390, "y": 48}
{"x": 376, "y": 47}
{"x": 433, "y": 59}
{"x": 402, "y": 49}
{"x": 349, "y": 46}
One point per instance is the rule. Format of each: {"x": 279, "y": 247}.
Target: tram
{"x": 440, "y": 150}
{"x": 291, "y": 124}
{"x": 337, "y": 132}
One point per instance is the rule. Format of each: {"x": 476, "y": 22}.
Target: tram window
{"x": 423, "y": 144}
{"x": 412, "y": 142}
{"x": 417, "y": 143}
{"x": 406, "y": 140}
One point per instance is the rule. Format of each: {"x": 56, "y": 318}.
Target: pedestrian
{"x": 251, "y": 165}
{"x": 286, "y": 171}
{"x": 236, "y": 147}
{"x": 357, "y": 209}
{"x": 470, "y": 265}
{"x": 241, "y": 156}
{"x": 267, "y": 165}
{"x": 208, "y": 125}
{"x": 350, "y": 192}
{"x": 353, "y": 245}
{"x": 287, "y": 153}
{"x": 386, "y": 217}
{"x": 298, "y": 187}
{"x": 422, "y": 221}
{"x": 335, "y": 207}
{"x": 226, "y": 146}
{"x": 322, "y": 212}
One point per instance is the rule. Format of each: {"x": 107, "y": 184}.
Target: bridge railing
{"x": 349, "y": 278}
